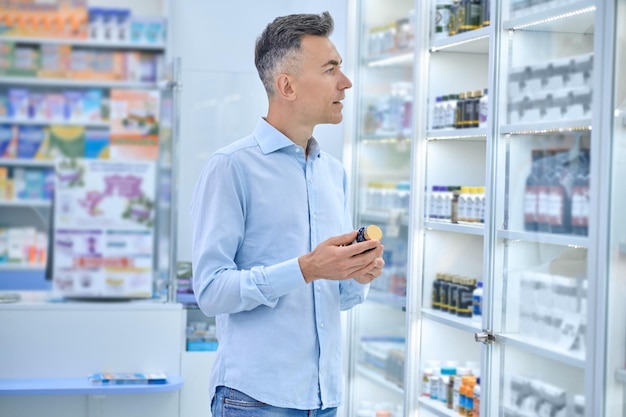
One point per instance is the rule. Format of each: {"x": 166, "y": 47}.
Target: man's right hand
{"x": 337, "y": 258}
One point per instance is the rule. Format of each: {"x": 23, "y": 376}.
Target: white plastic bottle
{"x": 463, "y": 203}
{"x": 477, "y": 303}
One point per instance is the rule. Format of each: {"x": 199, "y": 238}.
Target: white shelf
{"x": 543, "y": 128}
{"x": 538, "y": 347}
{"x": 462, "y": 323}
{"x": 570, "y": 18}
{"x": 80, "y": 386}
{"x": 437, "y": 407}
{"x": 404, "y": 57}
{"x": 41, "y": 122}
{"x": 69, "y": 82}
{"x": 20, "y": 267}
{"x": 25, "y": 203}
{"x": 474, "y": 133}
{"x": 455, "y": 228}
{"x": 473, "y": 41}
{"x": 87, "y": 43}
{"x": 549, "y": 238}
{"x": 19, "y": 162}
{"x": 378, "y": 378}
{"x": 382, "y": 137}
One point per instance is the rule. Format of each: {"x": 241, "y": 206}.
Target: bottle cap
{"x": 373, "y": 232}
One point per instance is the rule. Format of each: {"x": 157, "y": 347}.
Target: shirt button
{"x": 322, "y": 325}
{"x": 315, "y": 216}
{"x": 318, "y": 288}
{"x": 310, "y": 181}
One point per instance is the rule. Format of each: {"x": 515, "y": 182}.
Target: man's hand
{"x": 337, "y": 259}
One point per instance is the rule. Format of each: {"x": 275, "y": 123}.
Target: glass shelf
{"x": 534, "y": 346}
{"x": 378, "y": 378}
{"x": 462, "y": 323}
{"x": 479, "y": 134}
{"x": 40, "y": 122}
{"x": 570, "y": 18}
{"x": 456, "y": 228}
{"x": 543, "y": 128}
{"x": 84, "y": 43}
{"x": 474, "y": 41}
{"x": 548, "y": 238}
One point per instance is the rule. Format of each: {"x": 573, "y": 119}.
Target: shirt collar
{"x": 271, "y": 139}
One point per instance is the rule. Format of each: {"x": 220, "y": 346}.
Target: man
{"x": 272, "y": 238}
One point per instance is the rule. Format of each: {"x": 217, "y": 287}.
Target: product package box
{"x": 29, "y": 183}
{"x": 8, "y": 141}
{"x": 74, "y": 109}
{"x": 67, "y": 141}
{"x": 92, "y": 105}
{"x": 4, "y": 245}
{"x": 96, "y": 144}
{"x": 134, "y": 116}
{"x": 55, "y": 60}
{"x": 6, "y": 56}
{"x": 18, "y": 103}
{"x": 32, "y": 142}
{"x": 26, "y": 61}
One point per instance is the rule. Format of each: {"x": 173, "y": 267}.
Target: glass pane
{"x": 542, "y": 206}
{"x": 454, "y": 200}
{"x": 384, "y": 94}
{"x": 615, "y": 310}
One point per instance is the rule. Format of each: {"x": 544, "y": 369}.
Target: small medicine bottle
{"x": 368, "y": 233}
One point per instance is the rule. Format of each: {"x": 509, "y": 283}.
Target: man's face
{"x": 319, "y": 82}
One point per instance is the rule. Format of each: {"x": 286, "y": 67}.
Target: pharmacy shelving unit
{"x": 36, "y": 213}
{"x": 550, "y": 252}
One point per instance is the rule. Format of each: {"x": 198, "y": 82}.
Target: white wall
{"x": 222, "y": 96}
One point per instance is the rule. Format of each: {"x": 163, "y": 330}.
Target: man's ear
{"x": 285, "y": 87}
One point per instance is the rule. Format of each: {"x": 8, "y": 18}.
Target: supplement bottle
{"x": 436, "y": 299}
{"x": 468, "y": 117}
{"x": 476, "y": 97}
{"x": 483, "y": 108}
{"x": 460, "y": 111}
{"x": 454, "y": 206}
{"x": 476, "y": 405}
{"x": 426, "y": 381}
{"x": 477, "y": 303}
{"x": 368, "y": 233}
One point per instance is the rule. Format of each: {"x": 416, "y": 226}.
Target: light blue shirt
{"x": 258, "y": 205}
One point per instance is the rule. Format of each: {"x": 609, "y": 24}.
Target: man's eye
{"x": 330, "y": 70}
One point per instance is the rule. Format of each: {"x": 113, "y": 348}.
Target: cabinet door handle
{"x": 484, "y": 337}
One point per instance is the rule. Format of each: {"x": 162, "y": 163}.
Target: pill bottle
{"x": 368, "y": 233}
{"x": 477, "y": 303}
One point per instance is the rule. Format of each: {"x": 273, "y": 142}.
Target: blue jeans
{"x": 229, "y": 402}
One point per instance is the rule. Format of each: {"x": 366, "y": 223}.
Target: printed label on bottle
{"x": 531, "y": 200}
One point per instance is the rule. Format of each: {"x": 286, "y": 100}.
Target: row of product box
{"x": 79, "y": 22}
{"x": 530, "y": 397}
{"x": 553, "y": 75}
{"x": 48, "y": 143}
{"x": 19, "y": 104}
{"x": 458, "y": 295}
{"x": 459, "y": 111}
{"x": 26, "y": 183}
{"x": 551, "y": 106}
{"x": 384, "y": 354}
{"x": 553, "y": 309}
{"x": 394, "y": 36}
{"x": 451, "y": 17}
{"x": 23, "y": 246}
{"x": 77, "y": 62}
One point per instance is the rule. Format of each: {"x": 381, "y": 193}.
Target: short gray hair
{"x": 281, "y": 40}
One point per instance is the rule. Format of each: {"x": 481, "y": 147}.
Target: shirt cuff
{"x": 285, "y": 277}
